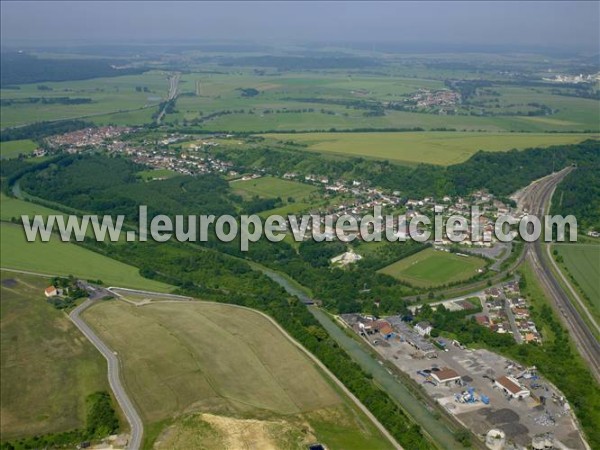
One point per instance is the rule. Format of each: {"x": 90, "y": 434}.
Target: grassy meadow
{"x": 12, "y": 149}
{"x": 431, "y": 267}
{"x": 108, "y": 95}
{"x": 64, "y": 258}
{"x": 297, "y": 93}
{"x": 229, "y": 362}
{"x": 13, "y": 208}
{"x": 582, "y": 262}
{"x": 271, "y": 187}
{"x": 48, "y": 366}
{"x": 297, "y": 100}
{"x": 443, "y": 148}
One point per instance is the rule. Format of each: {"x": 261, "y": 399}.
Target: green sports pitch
{"x": 430, "y": 268}
{"x": 271, "y": 187}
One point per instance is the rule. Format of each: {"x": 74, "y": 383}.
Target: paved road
{"x": 511, "y": 319}
{"x": 536, "y": 200}
{"x": 134, "y": 419}
{"x": 173, "y": 84}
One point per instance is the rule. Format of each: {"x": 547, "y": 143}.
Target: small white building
{"x": 346, "y": 258}
{"x": 52, "y": 291}
{"x": 423, "y": 328}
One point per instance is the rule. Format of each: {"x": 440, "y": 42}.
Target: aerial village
{"x": 481, "y": 389}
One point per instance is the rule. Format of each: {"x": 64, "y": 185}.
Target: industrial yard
{"x": 490, "y": 395}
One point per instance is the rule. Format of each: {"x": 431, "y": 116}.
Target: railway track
{"x": 536, "y": 201}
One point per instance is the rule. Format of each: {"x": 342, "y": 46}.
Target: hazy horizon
{"x": 515, "y": 25}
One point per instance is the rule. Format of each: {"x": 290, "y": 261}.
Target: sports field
{"x": 583, "y": 262}
{"x": 271, "y": 187}
{"x": 431, "y": 267}
{"x": 190, "y": 357}
{"x": 64, "y": 258}
{"x": 12, "y": 149}
{"x": 443, "y": 148}
{"x": 48, "y": 367}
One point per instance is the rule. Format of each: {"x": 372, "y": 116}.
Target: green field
{"x": 115, "y": 95}
{"x": 12, "y": 149}
{"x": 271, "y": 187}
{"x": 583, "y": 263}
{"x": 299, "y": 100}
{"x": 13, "y": 208}
{"x": 190, "y": 357}
{"x": 442, "y": 148}
{"x": 431, "y": 267}
{"x": 64, "y": 258}
{"x": 48, "y": 366}
{"x": 309, "y": 101}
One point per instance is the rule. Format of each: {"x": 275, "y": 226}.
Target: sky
{"x": 564, "y": 25}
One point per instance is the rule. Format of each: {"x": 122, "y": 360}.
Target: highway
{"x": 536, "y": 200}
{"x": 173, "y": 84}
{"x": 134, "y": 419}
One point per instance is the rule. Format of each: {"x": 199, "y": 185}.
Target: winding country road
{"x": 134, "y": 419}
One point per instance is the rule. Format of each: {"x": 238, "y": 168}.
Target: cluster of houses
{"x": 358, "y": 199}
{"x": 442, "y": 100}
{"x": 184, "y": 163}
{"x": 574, "y": 79}
{"x": 508, "y": 312}
{"x": 74, "y": 141}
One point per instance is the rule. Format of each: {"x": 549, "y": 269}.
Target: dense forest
{"x": 110, "y": 185}
{"x": 579, "y": 194}
{"x": 41, "y": 130}
{"x": 21, "y": 68}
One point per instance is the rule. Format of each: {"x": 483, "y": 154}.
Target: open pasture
{"x": 431, "y": 267}
{"x": 48, "y": 366}
{"x": 443, "y": 148}
{"x": 189, "y": 357}
{"x": 64, "y": 258}
{"x": 107, "y": 95}
{"x": 12, "y": 149}
{"x": 583, "y": 262}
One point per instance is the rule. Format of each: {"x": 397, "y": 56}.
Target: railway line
{"x": 536, "y": 200}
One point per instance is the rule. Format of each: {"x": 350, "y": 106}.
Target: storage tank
{"x": 495, "y": 439}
